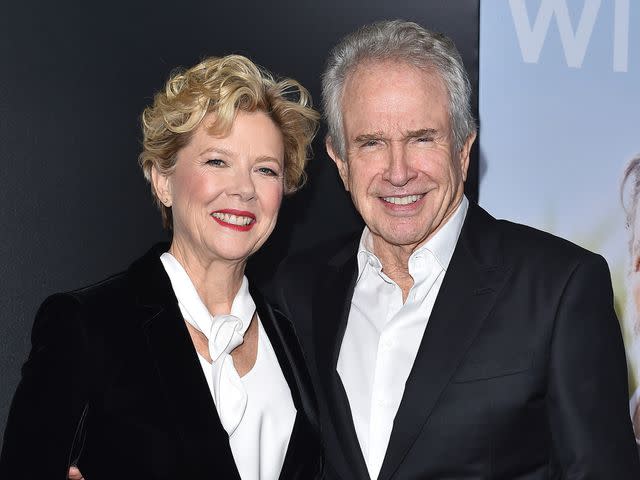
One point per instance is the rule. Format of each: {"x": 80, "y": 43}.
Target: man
{"x": 446, "y": 344}
{"x": 630, "y": 190}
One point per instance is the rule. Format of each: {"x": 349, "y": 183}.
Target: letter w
{"x": 532, "y": 38}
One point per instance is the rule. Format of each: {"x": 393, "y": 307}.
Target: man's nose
{"x": 399, "y": 170}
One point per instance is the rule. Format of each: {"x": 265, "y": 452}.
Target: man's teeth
{"x": 403, "y": 200}
{"x": 233, "y": 219}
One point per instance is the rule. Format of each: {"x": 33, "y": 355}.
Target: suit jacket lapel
{"x": 205, "y": 442}
{"x": 331, "y": 305}
{"x": 470, "y": 287}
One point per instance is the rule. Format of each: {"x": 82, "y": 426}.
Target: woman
{"x": 177, "y": 368}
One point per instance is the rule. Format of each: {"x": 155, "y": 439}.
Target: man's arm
{"x": 588, "y": 393}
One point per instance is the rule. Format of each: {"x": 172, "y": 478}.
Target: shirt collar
{"x": 243, "y": 306}
{"x": 441, "y": 245}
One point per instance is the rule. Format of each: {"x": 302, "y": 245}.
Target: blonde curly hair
{"x": 224, "y": 85}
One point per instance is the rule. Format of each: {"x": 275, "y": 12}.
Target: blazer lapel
{"x": 470, "y": 288}
{"x": 304, "y": 455}
{"x": 331, "y": 305}
{"x": 205, "y": 442}
{"x": 287, "y": 347}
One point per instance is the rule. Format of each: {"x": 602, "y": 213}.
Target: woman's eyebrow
{"x": 220, "y": 150}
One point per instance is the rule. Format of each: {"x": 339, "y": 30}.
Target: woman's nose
{"x": 243, "y": 186}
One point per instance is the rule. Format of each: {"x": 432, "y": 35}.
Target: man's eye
{"x": 216, "y": 162}
{"x": 370, "y": 143}
{"x": 423, "y": 139}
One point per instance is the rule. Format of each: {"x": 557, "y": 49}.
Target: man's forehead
{"x": 379, "y": 85}
{"x": 389, "y": 67}
{"x": 374, "y": 120}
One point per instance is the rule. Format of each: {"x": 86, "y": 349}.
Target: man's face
{"x": 400, "y": 167}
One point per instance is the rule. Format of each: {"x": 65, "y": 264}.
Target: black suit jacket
{"x": 520, "y": 374}
{"x": 113, "y": 371}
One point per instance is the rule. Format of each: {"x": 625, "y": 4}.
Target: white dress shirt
{"x": 260, "y": 439}
{"x": 382, "y": 336}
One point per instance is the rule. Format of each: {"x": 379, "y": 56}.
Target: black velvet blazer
{"x": 113, "y": 383}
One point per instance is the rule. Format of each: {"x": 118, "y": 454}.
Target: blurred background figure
{"x": 630, "y": 192}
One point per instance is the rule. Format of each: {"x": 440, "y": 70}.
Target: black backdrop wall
{"x": 73, "y": 205}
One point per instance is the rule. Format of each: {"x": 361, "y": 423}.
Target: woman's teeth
{"x": 233, "y": 219}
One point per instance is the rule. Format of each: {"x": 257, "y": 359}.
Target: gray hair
{"x": 629, "y": 195}
{"x": 406, "y": 42}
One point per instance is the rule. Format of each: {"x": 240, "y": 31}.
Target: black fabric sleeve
{"x": 588, "y": 394}
{"x": 52, "y": 396}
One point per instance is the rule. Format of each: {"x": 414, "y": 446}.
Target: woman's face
{"x": 225, "y": 191}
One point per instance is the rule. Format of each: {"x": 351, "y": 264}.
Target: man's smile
{"x": 403, "y": 199}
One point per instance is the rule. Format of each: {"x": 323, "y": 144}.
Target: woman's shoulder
{"x": 104, "y": 292}
{"x": 81, "y": 314}
{"x": 115, "y": 293}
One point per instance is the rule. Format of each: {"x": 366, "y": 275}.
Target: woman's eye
{"x": 268, "y": 171}
{"x": 216, "y": 162}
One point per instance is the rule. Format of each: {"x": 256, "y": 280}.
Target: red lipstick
{"x": 222, "y": 217}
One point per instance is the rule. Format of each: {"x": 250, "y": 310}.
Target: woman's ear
{"x": 162, "y": 186}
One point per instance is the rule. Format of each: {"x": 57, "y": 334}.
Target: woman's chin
{"x": 231, "y": 254}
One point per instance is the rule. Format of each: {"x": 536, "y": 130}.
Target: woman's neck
{"x": 216, "y": 281}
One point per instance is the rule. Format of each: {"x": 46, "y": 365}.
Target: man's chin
{"x": 391, "y": 237}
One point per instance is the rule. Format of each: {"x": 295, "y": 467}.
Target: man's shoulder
{"x": 335, "y": 251}
{"x": 538, "y": 249}
{"x": 497, "y": 241}
{"x": 298, "y": 273}
{"x": 526, "y": 239}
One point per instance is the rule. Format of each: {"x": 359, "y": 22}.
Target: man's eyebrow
{"x": 365, "y": 137}
{"x": 423, "y": 132}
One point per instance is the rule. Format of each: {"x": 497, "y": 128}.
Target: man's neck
{"x": 395, "y": 265}
{"x": 395, "y": 258}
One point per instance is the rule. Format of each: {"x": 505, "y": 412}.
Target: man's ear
{"x": 162, "y": 186}
{"x": 464, "y": 153}
{"x": 343, "y": 166}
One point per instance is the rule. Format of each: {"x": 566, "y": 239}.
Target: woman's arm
{"x": 51, "y": 396}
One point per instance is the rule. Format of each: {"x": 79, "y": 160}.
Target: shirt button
{"x": 387, "y": 345}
